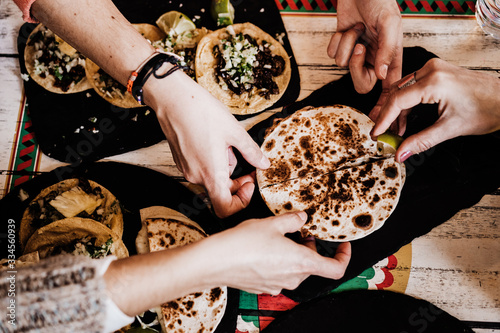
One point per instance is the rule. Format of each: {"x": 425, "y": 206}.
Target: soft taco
{"x": 53, "y": 63}
{"x": 324, "y": 162}
{"x": 75, "y": 197}
{"x": 77, "y": 236}
{"x": 110, "y": 89}
{"x": 244, "y": 67}
{"x": 164, "y": 228}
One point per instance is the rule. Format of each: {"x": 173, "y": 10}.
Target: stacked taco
{"x": 164, "y": 228}
{"x": 76, "y": 216}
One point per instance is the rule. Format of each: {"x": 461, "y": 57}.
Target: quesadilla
{"x": 164, "y": 228}
{"x": 53, "y": 63}
{"x": 77, "y": 236}
{"x": 324, "y": 162}
{"x": 71, "y": 198}
{"x": 244, "y": 67}
{"x": 110, "y": 89}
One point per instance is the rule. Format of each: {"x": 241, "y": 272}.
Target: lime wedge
{"x": 175, "y": 22}
{"x": 222, "y": 12}
{"x": 388, "y": 143}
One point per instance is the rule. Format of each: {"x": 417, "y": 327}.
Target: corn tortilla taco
{"x": 77, "y": 236}
{"x": 244, "y": 67}
{"x": 71, "y": 198}
{"x": 53, "y": 63}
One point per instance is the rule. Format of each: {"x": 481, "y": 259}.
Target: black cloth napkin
{"x": 440, "y": 182}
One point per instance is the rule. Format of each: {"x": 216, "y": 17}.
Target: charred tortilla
{"x": 110, "y": 89}
{"x": 71, "y": 198}
{"x": 54, "y": 64}
{"x": 244, "y": 67}
{"x": 76, "y": 236}
{"x": 324, "y": 162}
{"x": 164, "y": 228}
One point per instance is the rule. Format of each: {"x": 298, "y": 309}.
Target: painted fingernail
{"x": 358, "y": 49}
{"x": 404, "y": 156}
{"x": 302, "y": 215}
{"x": 383, "y": 71}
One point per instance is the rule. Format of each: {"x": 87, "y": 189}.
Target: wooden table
{"x": 456, "y": 266}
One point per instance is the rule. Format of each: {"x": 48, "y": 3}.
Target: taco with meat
{"x": 76, "y": 236}
{"x": 75, "y": 197}
{"x": 244, "y": 67}
{"x": 110, "y": 89}
{"x": 53, "y": 63}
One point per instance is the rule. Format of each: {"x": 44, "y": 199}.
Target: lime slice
{"x": 175, "y": 22}
{"x": 388, "y": 143}
{"x": 222, "y": 12}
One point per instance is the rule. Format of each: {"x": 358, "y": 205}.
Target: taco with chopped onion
{"x": 76, "y": 236}
{"x": 53, "y": 63}
{"x": 110, "y": 89}
{"x": 68, "y": 199}
{"x": 244, "y": 67}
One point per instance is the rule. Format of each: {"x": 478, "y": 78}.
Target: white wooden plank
{"x": 10, "y": 22}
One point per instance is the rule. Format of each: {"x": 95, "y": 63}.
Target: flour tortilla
{"x": 164, "y": 228}
{"x": 126, "y": 100}
{"x": 324, "y": 162}
{"x": 111, "y": 213}
{"x": 48, "y": 81}
{"x": 246, "y": 103}
{"x": 64, "y": 232}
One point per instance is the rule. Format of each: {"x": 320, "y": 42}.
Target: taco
{"x": 53, "y": 63}
{"x": 324, "y": 162}
{"x": 183, "y": 45}
{"x": 110, "y": 89}
{"x": 244, "y": 67}
{"x": 77, "y": 236}
{"x": 164, "y": 228}
{"x": 71, "y": 198}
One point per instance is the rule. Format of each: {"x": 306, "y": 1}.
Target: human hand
{"x": 377, "y": 24}
{"x": 469, "y": 104}
{"x": 258, "y": 258}
{"x": 201, "y": 133}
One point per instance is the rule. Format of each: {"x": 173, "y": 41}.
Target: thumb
{"x": 290, "y": 222}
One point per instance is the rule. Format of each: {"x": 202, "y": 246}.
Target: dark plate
{"x": 55, "y": 117}
{"x": 367, "y": 311}
{"x": 440, "y": 182}
{"x": 136, "y": 188}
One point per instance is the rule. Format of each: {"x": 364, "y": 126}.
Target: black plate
{"x": 135, "y": 188}
{"x": 367, "y": 311}
{"x": 440, "y": 182}
{"x": 55, "y": 117}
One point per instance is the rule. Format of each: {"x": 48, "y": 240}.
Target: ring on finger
{"x": 412, "y": 79}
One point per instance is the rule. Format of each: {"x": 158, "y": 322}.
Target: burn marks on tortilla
{"x": 363, "y": 221}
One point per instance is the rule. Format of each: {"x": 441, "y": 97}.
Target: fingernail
{"x": 302, "y": 215}
{"x": 358, "y": 49}
{"x": 359, "y": 26}
{"x": 265, "y": 162}
{"x": 404, "y": 156}
{"x": 383, "y": 71}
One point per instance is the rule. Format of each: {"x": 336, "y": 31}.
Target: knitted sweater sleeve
{"x": 25, "y": 7}
{"x": 62, "y": 293}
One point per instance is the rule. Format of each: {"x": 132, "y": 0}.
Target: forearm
{"x": 99, "y": 31}
{"x": 139, "y": 283}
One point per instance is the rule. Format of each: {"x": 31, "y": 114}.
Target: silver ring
{"x": 412, "y": 79}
